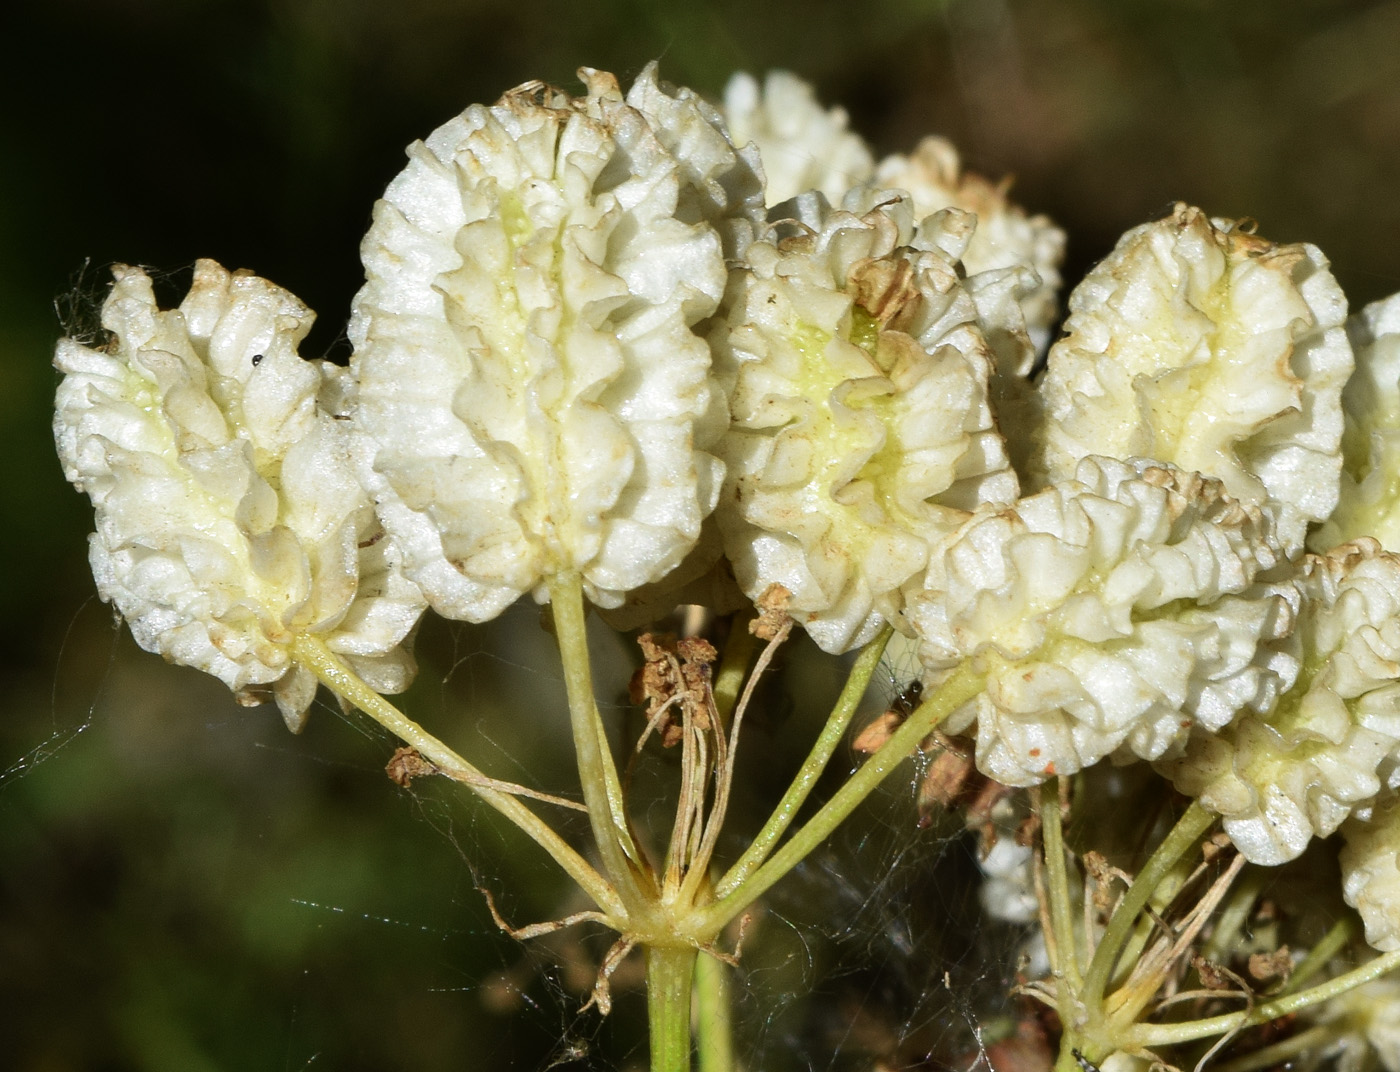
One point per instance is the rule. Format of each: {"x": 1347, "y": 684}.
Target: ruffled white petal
{"x": 803, "y": 146}
{"x": 1364, "y": 1027}
{"x": 1296, "y": 770}
{"x": 1200, "y": 345}
{"x": 532, "y": 398}
{"x": 1006, "y": 238}
{"x": 1370, "y": 860}
{"x": 229, "y": 518}
{"x": 857, "y": 382}
{"x": 1369, "y": 503}
{"x": 1107, "y": 612}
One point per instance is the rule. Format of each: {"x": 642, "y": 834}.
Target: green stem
{"x": 1230, "y": 921}
{"x": 1164, "y": 894}
{"x": 1067, "y": 1061}
{"x": 714, "y": 1035}
{"x": 669, "y": 973}
{"x": 1067, "y": 943}
{"x": 958, "y": 689}
{"x": 1280, "y": 1052}
{"x": 602, "y": 789}
{"x": 1147, "y": 1035}
{"x": 812, "y": 768}
{"x": 733, "y": 666}
{"x": 1194, "y": 822}
{"x": 313, "y": 654}
{"x": 1331, "y": 943}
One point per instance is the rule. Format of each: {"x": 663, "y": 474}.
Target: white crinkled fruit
{"x": 229, "y": 517}
{"x": 802, "y": 145}
{"x": 1370, "y": 859}
{"x": 1369, "y": 503}
{"x": 1005, "y": 237}
{"x": 532, "y": 399}
{"x": 1199, "y": 344}
{"x": 1361, "y": 1029}
{"x": 1295, "y": 770}
{"x": 1108, "y": 612}
{"x": 861, "y": 431}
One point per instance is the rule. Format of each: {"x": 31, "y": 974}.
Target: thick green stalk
{"x": 733, "y": 666}
{"x": 1194, "y": 822}
{"x": 1066, "y": 939}
{"x": 1148, "y": 1035}
{"x": 957, "y": 690}
{"x": 714, "y": 1034}
{"x": 837, "y": 722}
{"x": 670, "y": 970}
{"x": 602, "y": 788}
{"x": 1279, "y": 1053}
{"x": 1316, "y": 958}
{"x": 313, "y": 654}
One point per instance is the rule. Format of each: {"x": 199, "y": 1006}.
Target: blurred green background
{"x": 183, "y": 886}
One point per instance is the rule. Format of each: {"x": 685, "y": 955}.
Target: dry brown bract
{"x": 674, "y": 683}
{"x": 407, "y": 764}
{"x": 772, "y": 605}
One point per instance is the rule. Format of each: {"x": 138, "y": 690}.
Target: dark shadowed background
{"x": 184, "y": 886}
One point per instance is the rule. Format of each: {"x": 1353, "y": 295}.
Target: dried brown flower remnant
{"x": 1213, "y": 976}
{"x": 407, "y": 764}
{"x": 879, "y": 730}
{"x": 953, "y": 781}
{"x": 1276, "y": 965}
{"x": 674, "y": 683}
{"x": 876, "y": 732}
{"x": 1104, "y": 875}
{"x": 772, "y": 606}
{"x": 886, "y": 290}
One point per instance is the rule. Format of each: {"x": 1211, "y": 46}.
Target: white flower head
{"x": 1005, "y": 237}
{"x": 229, "y": 518}
{"x": 802, "y": 145}
{"x": 1370, "y": 860}
{"x": 1201, "y": 345}
{"x": 532, "y": 398}
{"x": 1370, "y": 495}
{"x": 1295, "y": 770}
{"x": 1106, "y": 612}
{"x": 1008, "y": 886}
{"x": 1363, "y": 1028}
{"x": 861, "y": 431}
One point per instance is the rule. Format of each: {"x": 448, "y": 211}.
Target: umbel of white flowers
{"x": 685, "y": 353}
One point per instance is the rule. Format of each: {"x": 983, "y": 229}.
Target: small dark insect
{"x": 1084, "y": 1062}
{"x": 257, "y": 360}
{"x": 908, "y": 698}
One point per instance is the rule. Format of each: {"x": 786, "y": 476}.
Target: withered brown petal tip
{"x": 407, "y": 764}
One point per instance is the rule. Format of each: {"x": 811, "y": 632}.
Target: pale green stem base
{"x": 714, "y": 1031}
{"x": 1066, "y": 944}
{"x": 1088, "y": 1029}
{"x": 670, "y": 970}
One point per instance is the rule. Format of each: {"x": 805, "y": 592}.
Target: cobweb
{"x": 872, "y": 953}
{"x": 365, "y": 941}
